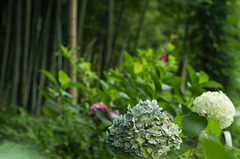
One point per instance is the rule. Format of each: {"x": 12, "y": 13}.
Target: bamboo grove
{"x": 33, "y": 30}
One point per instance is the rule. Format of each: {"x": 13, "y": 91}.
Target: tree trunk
{"x": 72, "y": 44}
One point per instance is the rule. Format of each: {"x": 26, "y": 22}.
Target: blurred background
{"x": 203, "y": 33}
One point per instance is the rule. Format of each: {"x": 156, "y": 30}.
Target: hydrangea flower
{"x": 143, "y": 132}
{"x": 98, "y": 107}
{"x": 217, "y": 106}
{"x": 102, "y": 107}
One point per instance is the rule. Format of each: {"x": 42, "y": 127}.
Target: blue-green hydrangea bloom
{"x": 144, "y": 132}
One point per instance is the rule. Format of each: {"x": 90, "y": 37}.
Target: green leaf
{"x": 193, "y": 75}
{"x": 203, "y": 77}
{"x": 128, "y": 59}
{"x": 104, "y": 97}
{"x": 122, "y": 95}
{"x": 236, "y": 150}
{"x": 186, "y": 109}
{"x": 104, "y": 85}
{"x": 163, "y": 73}
{"x": 64, "y": 49}
{"x": 129, "y": 63}
{"x": 183, "y": 148}
{"x": 65, "y": 93}
{"x": 50, "y": 76}
{"x": 45, "y": 93}
{"x": 156, "y": 82}
{"x": 196, "y": 91}
{"x": 193, "y": 124}
{"x": 211, "y": 84}
{"x": 168, "y": 108}
{"x": 103, "y": 116}
{"x": 213, "y": 127}
{"x": 172, "y": 80}
{"x": 73, "y": 84}
{"x": 137, "y": 67}
{"x": 177, "y": 120}
{"x": 213, "y": 149}
{"x": 171, "y": 47}
{"x": 63, "y": 77}
{"x": 51, "y": 109}
{"x": 173, "y": 155}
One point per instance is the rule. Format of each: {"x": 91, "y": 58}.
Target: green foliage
{"x": 10, "y": 150}
{"x": 77, "y": 136}
{"x": 213, "y": 127}
{"x": 193, "y": 124}
{"x": 69, "y": 130}
{"x": 212, "y": 149}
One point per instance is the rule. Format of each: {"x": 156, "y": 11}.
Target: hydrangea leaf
{"x": 193, "y": 75}
{"x": 203, "y": 77}
{"x": 213, "y": 127}
{"x": 193, "y": 124}
{"x": 212, "y": 149}
{"x": 183, "y": 148}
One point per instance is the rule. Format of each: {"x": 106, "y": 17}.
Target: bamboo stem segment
{"x": 72, "y": 39}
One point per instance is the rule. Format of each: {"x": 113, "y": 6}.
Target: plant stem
{"x": 194, "y": 145}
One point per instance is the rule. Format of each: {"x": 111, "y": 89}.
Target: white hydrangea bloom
{"x": 217, "y": 106}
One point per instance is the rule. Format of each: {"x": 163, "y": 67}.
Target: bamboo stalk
{"x": 45, "y": 39}
{"x": 72, "y": 44}
{"x": 110, "y": 34}
{"x": 115, "y": 39}
{"x": 59, "y": 33}
{"x": 6, "y": 50}
{"x": 141, "y": 24}
{"x": 56, "y": 60}
{"x": 99, "y": 65}
{"x": 81, "y": 22}
{"x": 33, "y": 56}
{"x": 25, "y": 54}
{"x": 16, "y": 74}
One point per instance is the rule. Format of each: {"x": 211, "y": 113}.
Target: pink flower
{"x": 176, "y": 36}
{"x": 102, "y": 107}
{"x": 170, "y": 116}
{"x": 98, "y": 107}
{"x": 201, "y": 114}
{"x": 164, "y": 57}
{"x": 116, "y": 112}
